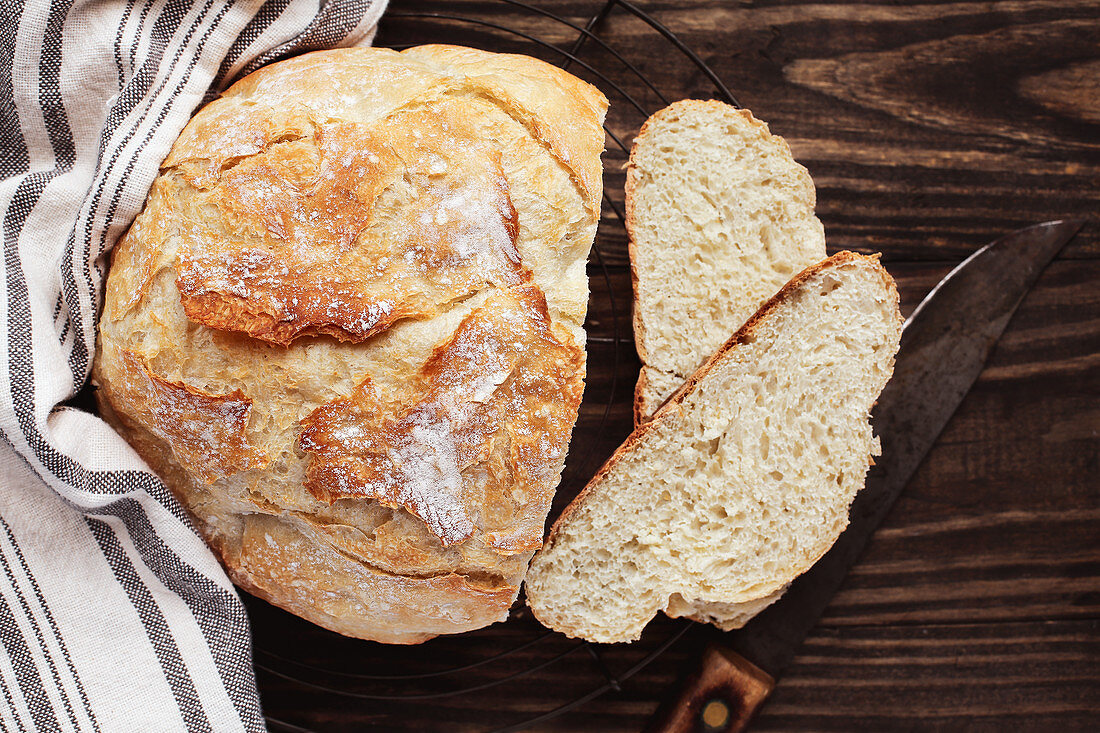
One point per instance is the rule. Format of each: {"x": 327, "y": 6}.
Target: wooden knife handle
{"x": 721, "y": 695}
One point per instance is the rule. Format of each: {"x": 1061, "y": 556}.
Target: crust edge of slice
{"x": 744, "y": 335}
{"x": 643, "y": 408}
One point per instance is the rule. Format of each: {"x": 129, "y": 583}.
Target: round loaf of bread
{"x": 346, "y": 328}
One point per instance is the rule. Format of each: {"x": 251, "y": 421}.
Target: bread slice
{"x": 743, "y": 479}
{"x": 720, "y": 216}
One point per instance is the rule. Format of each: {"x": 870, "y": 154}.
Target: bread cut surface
{"x": 743, "y": 479}
{"x": 720, "y": 216}
{"x": 346, "y": 329}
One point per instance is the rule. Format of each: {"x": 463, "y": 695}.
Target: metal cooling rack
{"x": 531, "y": 653}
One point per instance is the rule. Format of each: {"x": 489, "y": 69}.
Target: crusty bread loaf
{"x": 743, "y": 479}
{"x": 720, "y": 216}
{"x": 346, "y": 329}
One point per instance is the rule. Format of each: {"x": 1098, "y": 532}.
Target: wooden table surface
{"x": 930, "y": 129}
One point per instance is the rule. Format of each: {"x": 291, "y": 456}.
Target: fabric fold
{"x": 113, "y": 613}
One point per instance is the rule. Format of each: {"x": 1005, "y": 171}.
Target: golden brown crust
{"x": 344, "y": 218}
{"x": 350, "y": 272}
{"x": 206, "y": 431}
{"x": 487, "y": 418}
{"x": 744, "y": 335}
{"x": 518, "y": 83}
{"x": 355, "y": 598}
{"x": 641, "y": 407}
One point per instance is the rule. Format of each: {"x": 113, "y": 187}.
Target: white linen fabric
{"x": 114, "y": 616}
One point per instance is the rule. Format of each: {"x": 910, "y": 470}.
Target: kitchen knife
{"x": 944, "y": 345}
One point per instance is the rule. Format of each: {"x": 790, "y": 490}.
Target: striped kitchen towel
{"x": 113, "y": 614}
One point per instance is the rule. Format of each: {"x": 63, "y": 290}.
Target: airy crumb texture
{"x": 743, "y": 479}
{"x": 720, "y": 216}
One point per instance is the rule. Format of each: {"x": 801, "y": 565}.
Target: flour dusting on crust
{"x": 206, "y": 431}
{"x": 360, "y": 226}
{"x": 367, "y": 240}
{"x": 502, "y": 387}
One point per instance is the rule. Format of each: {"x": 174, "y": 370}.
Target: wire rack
{"x": 348, "y": 684}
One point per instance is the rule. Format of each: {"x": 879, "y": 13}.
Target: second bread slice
{"x": 743, "y": 479}
{"x": 720, "y": 216}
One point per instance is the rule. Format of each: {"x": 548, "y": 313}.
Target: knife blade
{"x": 944, "y": 346}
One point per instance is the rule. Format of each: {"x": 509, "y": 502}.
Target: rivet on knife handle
{"x": 721, "y": 696}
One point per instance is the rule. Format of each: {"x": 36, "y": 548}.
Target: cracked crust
{"x": 502, "y": 392}
{"x": 206, "y": 431}
{"x": 353, "y": 597}
{"x": 349, "y": 244}
{"x": 348, "y": 271}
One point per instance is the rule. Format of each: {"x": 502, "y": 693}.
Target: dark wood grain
{"x": 1019, "y": 676}
{"x": 930, "y": 129}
